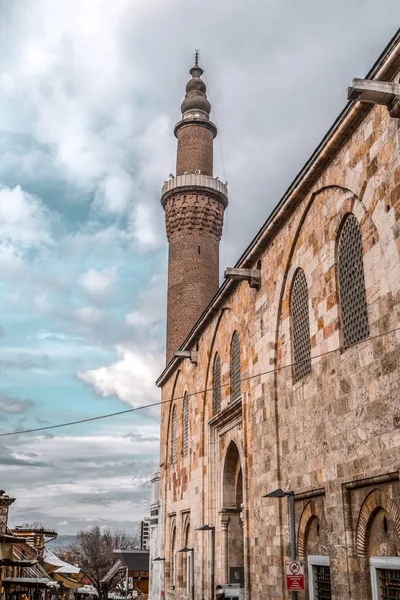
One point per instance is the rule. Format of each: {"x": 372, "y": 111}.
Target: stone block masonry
{"x": 333, "y": 435}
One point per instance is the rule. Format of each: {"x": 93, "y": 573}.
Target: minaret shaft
{"x": 195, "y": 150}
{"x": 194, "y": 204}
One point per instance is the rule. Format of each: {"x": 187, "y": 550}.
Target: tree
{"x": 93, "y": 552}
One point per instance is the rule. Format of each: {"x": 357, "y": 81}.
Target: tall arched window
{"x": 301, "y": 326}
{"x": 185, "y": 424}
{"x": 235, "y": 366}
{"x": 173, "y": 559}
{"x": 353, "y": 300}
{"x": 188, "y": 557}
{"x": 217, "y": 384}
{"x": 173, "y": 439}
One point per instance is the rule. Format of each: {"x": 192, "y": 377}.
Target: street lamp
{"x": 192, "y": 566}
{"x": 212, "y": 529}
{"x": 281, "y": 494}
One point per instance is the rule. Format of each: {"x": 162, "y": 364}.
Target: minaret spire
{"x": 194, "y": 203}
{"x": 196, "y": 58}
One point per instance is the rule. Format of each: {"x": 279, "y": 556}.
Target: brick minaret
{"x": 194, "y": 203}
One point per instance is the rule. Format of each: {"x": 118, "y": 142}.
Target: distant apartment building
{"x": 144, "y": 533}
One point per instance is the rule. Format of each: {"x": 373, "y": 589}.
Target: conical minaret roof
{"x": 196, "y": 97}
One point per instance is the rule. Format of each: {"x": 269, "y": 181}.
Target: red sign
{"x": 294, "y": 576}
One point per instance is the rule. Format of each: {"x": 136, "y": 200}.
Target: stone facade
{"x": 333, "y": 435}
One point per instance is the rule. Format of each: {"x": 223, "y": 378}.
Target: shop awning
{"x": 27, "y": 580}
{"x": 53, "y": 564}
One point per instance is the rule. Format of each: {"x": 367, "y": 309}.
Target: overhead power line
{"x": 210, "y": 389}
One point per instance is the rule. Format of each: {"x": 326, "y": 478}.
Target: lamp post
{"x": 159, "y": 559}
{"x": 192, "y": 566}
{"x": 212, "y": 529}
{"x": 281, "y": 494}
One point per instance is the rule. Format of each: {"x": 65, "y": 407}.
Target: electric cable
{"x": 206, "y": 390}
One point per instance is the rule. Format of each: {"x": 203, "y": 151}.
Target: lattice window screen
{"x": 235, "y": 366}
{"x": 217, "y": 384}
{"x": 322, "y": 583}
{"x": 301, "y": 327}
{"x": 390, "y": 583}
{"x": 352, "y": 283}
{"x": 174, "y": 427}
{"x": 185, "y": 424}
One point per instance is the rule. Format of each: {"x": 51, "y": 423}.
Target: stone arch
{"x": 232, "y": 477}
{"x": 376, "y": 500}
{"x": 209, "y": 368}
{"x": 312, "y": 515}
{"x": 350, "y": 203}
{"x": 171, "y": 405}
{"x": 306, "y": 516}
{"x": 172, "y": 547}
{"x": 186, "y": 557}
{"x": 232, "y": 536}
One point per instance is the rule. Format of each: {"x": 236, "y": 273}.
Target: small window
{"x": 300, "y": 327}
{"x": 353, "y": 301}
{"x": 389, "y": 580}
{"x": 217, "y": 384}
{"x": 319, "y": 578}
{"x": 385, "y": 577}
{"x": 235, "y": 367}
{"x": 174, "y": 427}
{"x": 185, "y": 424}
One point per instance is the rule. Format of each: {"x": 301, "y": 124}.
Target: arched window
{"x": 217, "y": 384}
{"x": 300, "y": 326}
{"x": 352, "y": 293}
{"x": 173, "y": 559}
{"x": 185, "y": 424}
{"x": 235, "y": 366}
{"x": 188, "y": 557}
{"x": 173, "y": 440}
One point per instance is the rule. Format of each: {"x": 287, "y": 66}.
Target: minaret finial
{"x": 196, "y": 58}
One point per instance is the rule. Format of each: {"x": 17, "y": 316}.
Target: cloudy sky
{"x": 89, "y": 93}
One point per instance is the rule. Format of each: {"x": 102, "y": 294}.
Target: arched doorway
{"x": 231, "y": 518}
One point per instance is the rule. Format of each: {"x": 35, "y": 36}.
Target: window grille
{"x": 235, "y": 367}
{"x": 322, "y": 583}
{"x": 301, "y": 327}
{"x": 217, "y": 384}
{"x": 174, "y": 424}
{"x": 352, "y": 283}
{"x": 389, "y": 583}
{"x": 185, "y": 424}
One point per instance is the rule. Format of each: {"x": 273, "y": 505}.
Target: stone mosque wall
{"x": 328, "y": 428}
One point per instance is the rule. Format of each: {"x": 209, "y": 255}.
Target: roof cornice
{"x": 385, "y": 68}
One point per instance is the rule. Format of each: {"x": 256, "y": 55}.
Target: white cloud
{"x": 105, "y": 475}
{"x": 145, "y": 231}
{"x": 115, "y": 192}
{"x": 98, "y": 283}
{"x": 89, "y": 97}
{"x": 131, "y": 378}
{"x": 24, "y": 219}
{"x": 89, "y": 315}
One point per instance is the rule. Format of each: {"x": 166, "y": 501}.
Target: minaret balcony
{"x": 195, "y": 182}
